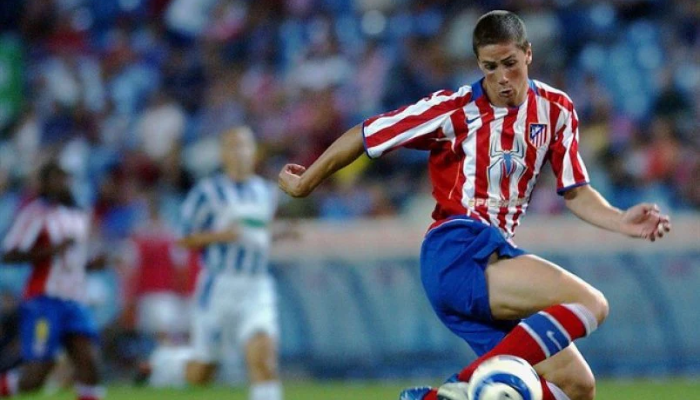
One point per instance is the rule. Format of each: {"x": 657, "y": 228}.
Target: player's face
{"x": 58, "y": 187}
{"x": 505, "y": 69}
{"x": 238, "y": 153}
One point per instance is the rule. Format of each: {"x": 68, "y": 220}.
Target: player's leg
{"x": 261, "y": 359}
{"x": 199, "y": 372}
{"x": 40, "y": 329}
{"x": 480, "y": 296}
{"x": 557, "y": 307}
{"x": 259, "y": 331}
{"x": 29, "y": 377}
{"x": 83, "y": 352}
{"x": 166, "y": 366}
{"x": 205, "y": 334}
{"x": 522, "y": 286}
{"x": 569, "y": 372}
{"x": 80, "y": 341}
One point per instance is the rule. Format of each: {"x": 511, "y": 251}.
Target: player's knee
{"x": 599, "y": 306}
{"x": 582, "y": 388}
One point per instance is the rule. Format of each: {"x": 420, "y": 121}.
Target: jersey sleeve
{"x": 196, "y": 213}
{"x": 25, "y": 229}
{"x": 415, "y": 126}
{"x": 564, "y": 156}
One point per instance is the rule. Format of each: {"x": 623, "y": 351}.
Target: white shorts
{"x": 163, "y": 312}
{"x": 229, "y": 310}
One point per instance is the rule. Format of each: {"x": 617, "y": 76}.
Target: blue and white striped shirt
{"x": 218, "y": 203}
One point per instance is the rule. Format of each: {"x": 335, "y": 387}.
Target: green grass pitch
{"x": 607, "y": 390}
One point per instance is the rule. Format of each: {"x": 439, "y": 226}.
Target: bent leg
{"x": 569, "y": 371}
{"x": 84, "y": 355}
{"x": 261, "y": 358}
{"x": 558, "y": 308}
{"x": 33, "y": 374}
{"x": 519, "y": 287}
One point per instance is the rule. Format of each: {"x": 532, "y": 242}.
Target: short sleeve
{"x": 196, "y": 214}
{"x": 564, "y": 156}
{"x": 25, "y": 229}
{"x": 415, "y": 126}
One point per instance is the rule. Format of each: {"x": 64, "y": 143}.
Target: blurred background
{"x": 132, "y": 95}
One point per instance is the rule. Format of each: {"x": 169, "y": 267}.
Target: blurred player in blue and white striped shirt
{"x": 228, "y": 218}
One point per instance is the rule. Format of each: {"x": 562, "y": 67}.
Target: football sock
{"x": 9, "y": 384}
{"x": 270, "y": 390}
{"x": 168, "y": 364}
{"x": 89, "y": 392}
{"x": 431, "y": 395}
{"x": 541, "y": 335}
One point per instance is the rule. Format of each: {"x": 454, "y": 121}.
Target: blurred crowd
{"x": 131, "y": 96}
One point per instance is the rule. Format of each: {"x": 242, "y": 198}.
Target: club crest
{"x": 537, "y": 134}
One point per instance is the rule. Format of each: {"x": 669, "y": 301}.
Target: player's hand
{"x": 290, "y": 181}
{"x": 645, "y": 221}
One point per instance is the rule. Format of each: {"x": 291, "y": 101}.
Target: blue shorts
{"x": 454, "y": 257}
{"x": 45, "y": 322}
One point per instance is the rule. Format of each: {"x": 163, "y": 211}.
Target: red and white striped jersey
{"x": 484, "y": 160}
{"x": 41, "y": 223}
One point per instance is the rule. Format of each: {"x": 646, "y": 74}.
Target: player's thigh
{"x": 258, "y": 313}
{"x": 259, "y": 329}
{"x": 210, "y": 313}
{"x": 206, "y": 336}
{"x": 570, "y": 372}
{"x": 161, "y": 313}
{"x": 521, "y": 286}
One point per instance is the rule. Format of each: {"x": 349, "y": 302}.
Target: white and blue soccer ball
{"x": 505, "y": 377}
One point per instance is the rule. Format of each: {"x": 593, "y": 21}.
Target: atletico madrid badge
{"x": 537, "y": 135}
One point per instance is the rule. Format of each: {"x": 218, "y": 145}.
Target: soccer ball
{"x": 505, "y": 377}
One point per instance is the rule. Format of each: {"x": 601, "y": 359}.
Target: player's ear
{"x": 528, "y": 54}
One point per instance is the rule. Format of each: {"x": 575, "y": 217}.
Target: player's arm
{"x": 641, "y": 221}
{"x": 36, "y": 253}
{"x": 298, "y": 181}
{"x": 203, "y": 239}
{"x": 197, "y": 219}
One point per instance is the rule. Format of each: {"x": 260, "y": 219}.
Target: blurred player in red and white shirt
{"x": 51, "y": 233}
{"x": 488, "y": 142}
{"x": 157, "y": 273}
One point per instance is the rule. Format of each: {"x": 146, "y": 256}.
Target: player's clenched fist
{"x": 290, "y": 181}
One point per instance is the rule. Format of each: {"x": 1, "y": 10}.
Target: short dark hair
{"x": 499, "y": 26}
{"x": 50, "y": 170}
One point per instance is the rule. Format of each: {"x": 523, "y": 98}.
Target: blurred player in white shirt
{"x": 228, "y": 218}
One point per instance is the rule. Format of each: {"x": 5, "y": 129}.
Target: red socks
{"x": 86, "y": 392}
{"x": 9, "y": 382}
{"x": 541, "y": 335}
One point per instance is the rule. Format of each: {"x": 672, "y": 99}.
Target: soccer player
{"x": 51, "y": 233}
{"x": 228, "y": 217}
{"x": 488, "y": 142}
